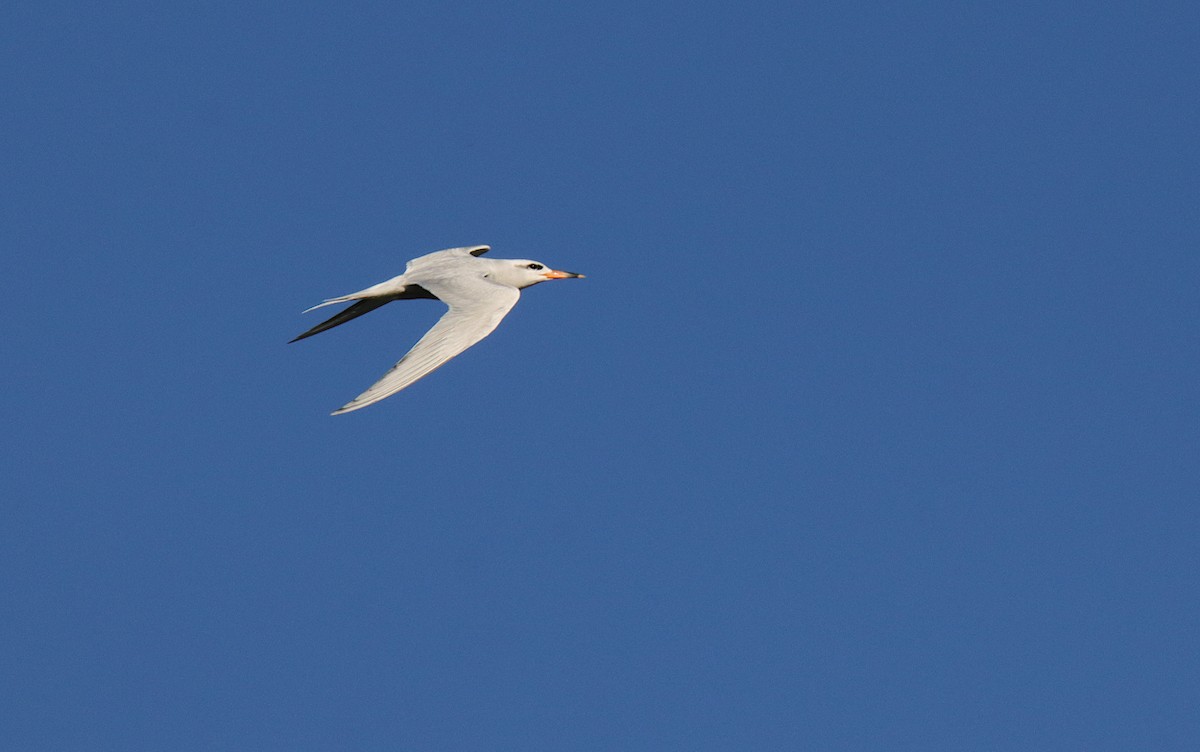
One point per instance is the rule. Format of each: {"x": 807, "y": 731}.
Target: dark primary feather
{"x": 412, "y": 292}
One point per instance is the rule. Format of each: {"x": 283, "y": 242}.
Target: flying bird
{"x": 480, "y": 292}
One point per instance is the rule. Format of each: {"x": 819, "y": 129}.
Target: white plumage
{"x": 480, "y": 293}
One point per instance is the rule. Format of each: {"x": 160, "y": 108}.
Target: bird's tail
{"x": 331, "y": 301}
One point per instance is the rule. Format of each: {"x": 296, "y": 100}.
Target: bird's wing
{"x": 363, "y": 306}
{"x": 341, "y": 317}
{"x": 477, "y": 306}
{"x": 448, "y": 256}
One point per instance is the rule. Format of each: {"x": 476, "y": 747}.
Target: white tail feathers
{"x": 390, "y": 287}
{"x": 331, "y": 301}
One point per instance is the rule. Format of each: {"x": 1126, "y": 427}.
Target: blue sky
{"x": 874, "y": 426}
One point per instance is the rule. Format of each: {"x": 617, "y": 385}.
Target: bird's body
{"x": 480, "y": 292}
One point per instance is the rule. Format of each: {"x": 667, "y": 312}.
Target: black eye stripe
{"x": 535, "y": 267}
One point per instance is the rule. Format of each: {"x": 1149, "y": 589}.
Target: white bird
{"x": 480, "y": 293}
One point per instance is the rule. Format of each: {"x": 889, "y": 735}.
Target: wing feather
{"x": 477, "y": 306}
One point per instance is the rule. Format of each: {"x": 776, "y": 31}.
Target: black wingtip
{"x": 315, "y": 330}
{"x": 353, "y": 312}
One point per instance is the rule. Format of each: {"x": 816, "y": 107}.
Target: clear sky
{"x": 875, "y": 426}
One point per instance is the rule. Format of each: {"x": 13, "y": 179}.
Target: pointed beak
{"x": 556, "y": 274}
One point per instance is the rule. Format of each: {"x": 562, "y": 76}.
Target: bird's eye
{"x": 535, "y": 267}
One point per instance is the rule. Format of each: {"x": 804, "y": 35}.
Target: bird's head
{"x": 523, "y": 273}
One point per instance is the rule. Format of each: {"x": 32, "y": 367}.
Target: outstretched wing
{"x": 366, "y": 305}
{"x": 477, "y": 306}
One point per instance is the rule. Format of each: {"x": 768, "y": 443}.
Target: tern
{"x": 480, "y": 292}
